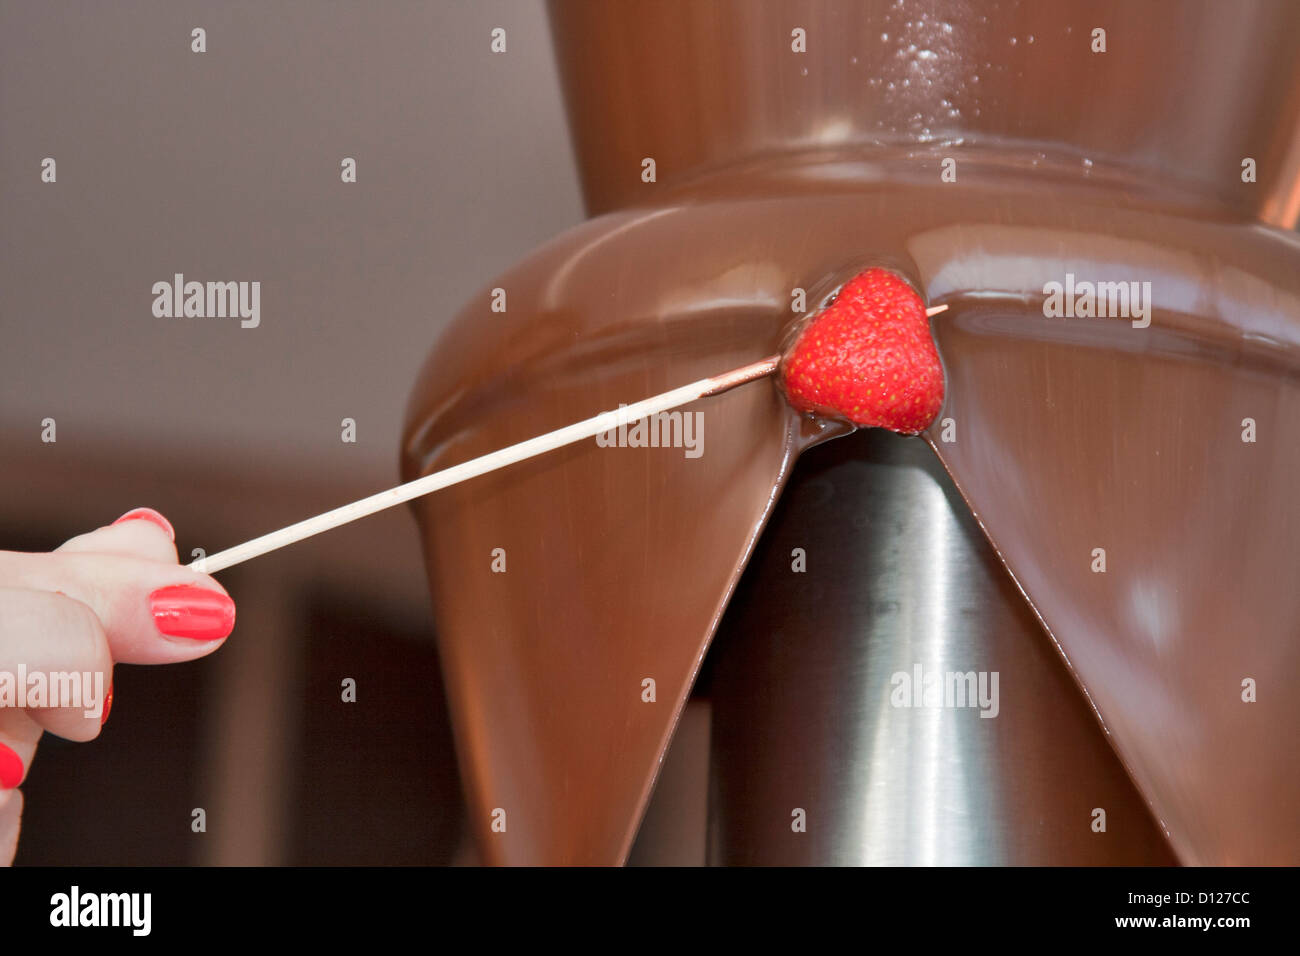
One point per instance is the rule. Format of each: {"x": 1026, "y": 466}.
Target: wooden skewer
{"x": 588, "y": 428}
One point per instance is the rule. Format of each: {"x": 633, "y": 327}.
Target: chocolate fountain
{"x": 1099, "y": 529}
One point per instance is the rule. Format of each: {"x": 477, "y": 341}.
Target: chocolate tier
{"x": 1071, "y": 435}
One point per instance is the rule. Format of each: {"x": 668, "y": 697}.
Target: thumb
{"x": 152, "y": 612}
{"x": 140, "y": 533}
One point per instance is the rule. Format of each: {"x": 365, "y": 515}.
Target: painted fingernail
{"x": 11, "y": 768}
{"x": 108, "y": 706}
{"x": 196, "y": 613}
{"x": 148, "y": 514}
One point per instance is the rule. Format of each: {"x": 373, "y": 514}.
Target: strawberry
{"x": 868, "y": 358}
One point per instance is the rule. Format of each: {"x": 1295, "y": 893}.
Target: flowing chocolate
{"x": 1075, "y": 439}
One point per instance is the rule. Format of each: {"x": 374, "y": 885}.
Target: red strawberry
{"x": 868, "y": 357}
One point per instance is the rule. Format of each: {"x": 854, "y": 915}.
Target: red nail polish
{"x": 108, "y": 706}
{"x": 192, "y": 612}
{"x": 11, "y": 768}
{"x": 148, "y": 514}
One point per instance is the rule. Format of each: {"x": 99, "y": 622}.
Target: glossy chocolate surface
{"x": 1071, "y": 434}
{"x": 1183, "y": 92}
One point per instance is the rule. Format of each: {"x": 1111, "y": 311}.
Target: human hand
{"x": 114, "y": 595}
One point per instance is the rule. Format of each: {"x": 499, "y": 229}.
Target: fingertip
{"x": 148, "y": 514}
{"x": 69, "y": 723}
{"x": 140, "y": 533}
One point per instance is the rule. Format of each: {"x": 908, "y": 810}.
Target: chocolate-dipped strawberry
{"x": 867, "y": 358}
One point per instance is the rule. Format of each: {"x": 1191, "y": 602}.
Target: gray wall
{"x": 225, "y": 165}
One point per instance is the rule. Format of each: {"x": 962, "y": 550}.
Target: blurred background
{"x": 225, "y": 166}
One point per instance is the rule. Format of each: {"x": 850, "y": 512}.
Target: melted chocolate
{"x": 1070, "y": 434}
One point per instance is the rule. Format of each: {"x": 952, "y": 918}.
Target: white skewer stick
{"x": 588, "y": 428}
{"x": 479, "y": 466}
